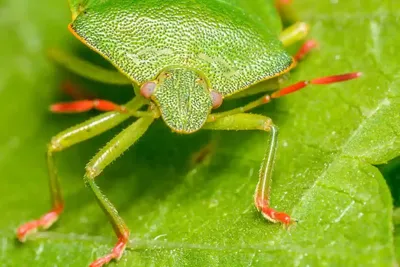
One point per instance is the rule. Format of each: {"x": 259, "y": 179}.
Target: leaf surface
{"x": 180, "y": 215}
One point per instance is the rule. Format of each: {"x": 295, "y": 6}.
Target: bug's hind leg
{"x": 101, "y": 160}
{"x": 61, "y": 141}
{"x": 295, "y": 31}
{"x": 243, "y": 121}
{"x": 286, "y": 11}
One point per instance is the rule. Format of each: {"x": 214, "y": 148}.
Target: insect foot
{"x": 116, "y": 253}
{"x": 44, "y": 222}
{"x": 272, "y": 215}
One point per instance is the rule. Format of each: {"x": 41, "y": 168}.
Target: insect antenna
{"x": 322, "y": 80}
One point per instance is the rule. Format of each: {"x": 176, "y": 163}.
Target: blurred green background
{"x": 331, "y": 139}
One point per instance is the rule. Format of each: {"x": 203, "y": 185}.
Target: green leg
{"x": 243, "y": 121}
{"x": 256, "y": 103}
{"x": 294, "y": 33}
{"x": 87, "y": 69}
{"x": 61, "y": 141}
{"x": 214, "y": 117}
{"x": 286, "y": 11}
{"x": 102, "y": 159}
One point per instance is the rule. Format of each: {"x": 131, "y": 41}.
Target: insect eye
{"x": 147, "y": 89}
{"x": 216, "y": 99}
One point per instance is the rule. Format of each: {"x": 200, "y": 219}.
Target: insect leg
{"x": 306, "y": 47}
{"x": 294, "y": 33}
{"x": 243, "y": 121}
{"x": 87, "y": 69}
{"x": 286, "y": 11}
{"x": 102, "y": 159}
{"x": 61, "y": 141}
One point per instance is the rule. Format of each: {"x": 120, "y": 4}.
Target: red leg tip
{"x": 48, "y": 219}
{"x": 283, "y": 218}
{"x": 26, "y": 229}
{"x": 44, "y": 222}
{"x": 305, "y": 49}
{"x": 102, "y": 261}
{"x": 272, "y": 215}
{"x": 116, "y": 253}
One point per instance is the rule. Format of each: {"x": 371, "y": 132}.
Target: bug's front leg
{"x": 102, "y": 159}
{"x": 243, "y": 121}
{"x": 61, "y": 141}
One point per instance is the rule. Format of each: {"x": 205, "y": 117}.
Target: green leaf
{"x": 391, "y": 171}
{"x": 77, "y": 6}
{"x": 331, "y": 138}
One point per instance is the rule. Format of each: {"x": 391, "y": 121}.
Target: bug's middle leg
{"x": 61, "y": 141}
{"x": 243, "y": 121}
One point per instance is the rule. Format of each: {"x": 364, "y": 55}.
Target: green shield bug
{"x": 184, "y": 58}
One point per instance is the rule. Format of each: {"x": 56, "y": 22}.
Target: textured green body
{"x": 219, "y": 39}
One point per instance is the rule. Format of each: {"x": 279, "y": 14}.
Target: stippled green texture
{"x": 233, "y": 46}
{"x": 184, "y": 99}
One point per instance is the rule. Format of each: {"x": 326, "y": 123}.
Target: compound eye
{"x": 216, "y": 99}
{"x": 148, "y": 89}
